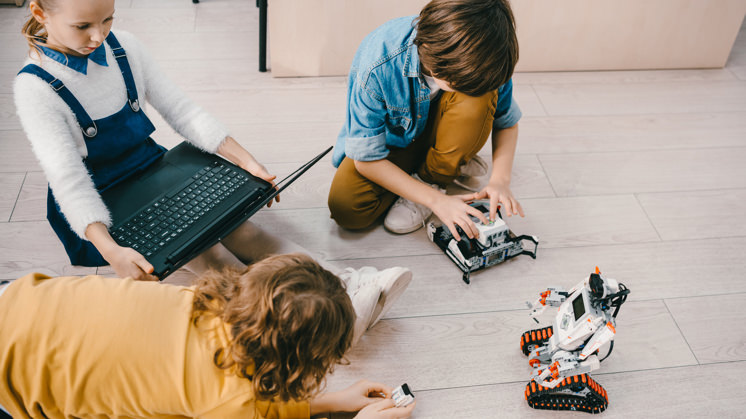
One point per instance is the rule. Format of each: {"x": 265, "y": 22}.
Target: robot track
{"x": 533, "y": 338}
{"x": 577, "y": 393}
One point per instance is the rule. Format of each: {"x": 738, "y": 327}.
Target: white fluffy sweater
{"x": 56, "y": 137}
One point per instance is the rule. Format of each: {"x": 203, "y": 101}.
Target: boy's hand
{"x": 499, "y": 192}
{"x": 453, "y": 211}
{"x": 127, "y": 262}
{"x": 384, "y": 409}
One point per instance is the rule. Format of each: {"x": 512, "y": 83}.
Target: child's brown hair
{"x": 290, "y": 319}
{"x": 470, "y": 44}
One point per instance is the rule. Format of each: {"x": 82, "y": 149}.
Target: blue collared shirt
{"x": 388, "y": 100}
{"x": 79, "y": 64}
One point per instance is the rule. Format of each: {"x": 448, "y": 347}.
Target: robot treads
{"x": 563, "y": 354}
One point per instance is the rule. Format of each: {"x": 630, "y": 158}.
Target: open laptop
{"x": 186, "y": 202}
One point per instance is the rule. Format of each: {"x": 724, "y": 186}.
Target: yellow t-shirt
{"x": 88, "y": 347}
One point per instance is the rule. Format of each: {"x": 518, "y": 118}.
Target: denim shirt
{"x": 388, "y": 100}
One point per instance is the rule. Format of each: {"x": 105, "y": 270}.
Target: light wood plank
{"x": 239, "y": 17}
{"x": 588, "y": 134}
{"x": 10, "y": 186}
{"x": 206, "y": 45}
{"x": 15, "y": 152}
{"x": 8, "y": 118}
{"x": 33, "y": 247}
{"x": 650, "y": 270}
{"x": 643, "y": 98}
{"x": 697, "y": 214}
{"x": 645, "y": 171}
{"x": 527, "y": 99}
{"x": 713, "y": 326}
{"x": 32, "y": 201}
{"x": 236, "y": 74}
{"x": 641, "y": 76}
{"x": 691, "y": 391}
{"x": 155, "y": 20}
{"x": 565, "y": 222}
{"x": 584, "y": 221}
{"x": 480, "y": 349}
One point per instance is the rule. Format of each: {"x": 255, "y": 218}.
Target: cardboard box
{"x": 319, "y": 37}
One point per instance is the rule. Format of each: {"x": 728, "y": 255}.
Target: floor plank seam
{"x": 18, "y": 195}
{"x": 647, "y": 216}
{"x": 641, "y": 150}
{"x": 546, "y": 176}
{"x": 544, "y": 108}
{"x": 681, "y": 332}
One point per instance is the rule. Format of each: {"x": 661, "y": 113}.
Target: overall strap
{"x": 124, "y": 67}
{"x": 86, "y": 123}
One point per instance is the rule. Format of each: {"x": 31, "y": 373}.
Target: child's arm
{"x": 452, "y": 210}
{"x": 358, "y": 396}
{"x": 504, "y": 140}
{"x": 126, "y": 262}
{"x": 498, "y": 188}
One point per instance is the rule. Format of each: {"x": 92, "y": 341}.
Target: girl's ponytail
{"x": 33, "y": 31}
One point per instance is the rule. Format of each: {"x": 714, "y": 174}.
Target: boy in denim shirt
{"x": 423, "y": 95}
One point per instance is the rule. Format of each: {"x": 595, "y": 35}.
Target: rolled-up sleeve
{"x": 507, "y": 112}
{"x": 365, "y": 136}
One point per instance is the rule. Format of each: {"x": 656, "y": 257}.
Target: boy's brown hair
{"x": 470, "y": 44}
{"x": 290, "y": 319}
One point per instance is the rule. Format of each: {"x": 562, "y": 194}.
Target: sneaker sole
{"x": 390, "y": 293}
{"x": 402, "y": 230}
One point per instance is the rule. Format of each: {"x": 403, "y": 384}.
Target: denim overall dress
{"x": 119, "y": 146}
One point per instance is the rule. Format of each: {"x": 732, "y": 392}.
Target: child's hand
{"x": 127, "y": 262}
{"x": 384, "y": 409}
{"x": 257, "y": 169}
{"x": 235, "y": 152}
{"x": 499, "y": 192}
{"x": 453, "y": 211}
{"x": 359, "y": 395}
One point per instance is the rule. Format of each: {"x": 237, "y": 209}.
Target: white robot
{"x": 495, "y": 244}
{"x": 563, "y": 354}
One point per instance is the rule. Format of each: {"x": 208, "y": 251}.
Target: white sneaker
{"x": 389, "y": 284}
{"x": 364, "y": 300}
{"x": 474, "y": 174}
{"x": 406, "y": 216}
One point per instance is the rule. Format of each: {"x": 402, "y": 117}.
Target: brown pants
{"x": 457, "y": 128}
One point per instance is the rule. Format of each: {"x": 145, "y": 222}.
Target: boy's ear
{"x": 37, "y": 12}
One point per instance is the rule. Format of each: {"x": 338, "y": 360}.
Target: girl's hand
{"x": 453, "y": 211}
{"x": 235, "y": 152}
{"x": 359, "y": 395}
{"x": 384, "y": 409}
{"x": 127, "y": 262}
{"x": 499, "y": 192}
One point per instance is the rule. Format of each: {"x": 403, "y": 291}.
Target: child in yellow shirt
{"x": 255, "y": 343}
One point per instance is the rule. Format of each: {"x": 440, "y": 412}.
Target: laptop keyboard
{"x": 170, "y": 216}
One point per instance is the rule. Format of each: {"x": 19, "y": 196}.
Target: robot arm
{"x": 552, "y": 297}
{"x": 603, "y": 335}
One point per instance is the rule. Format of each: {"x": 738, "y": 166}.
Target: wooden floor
{"x": 642, "y": 173}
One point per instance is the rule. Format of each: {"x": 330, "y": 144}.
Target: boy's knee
{"x": 347, "y": 212}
